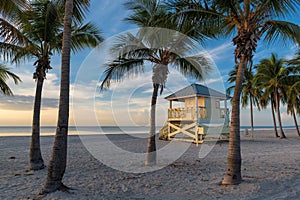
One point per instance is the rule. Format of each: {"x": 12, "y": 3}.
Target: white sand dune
{"x": 270, "y": 169}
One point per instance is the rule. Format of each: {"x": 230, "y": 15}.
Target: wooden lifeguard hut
{"x": 204, "y": 114}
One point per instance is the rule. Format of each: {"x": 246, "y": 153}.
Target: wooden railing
{"x": 190, "y": 113}
{"x": 186, "y": 113}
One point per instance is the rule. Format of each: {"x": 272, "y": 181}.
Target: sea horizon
{"x": 86, "y": 130}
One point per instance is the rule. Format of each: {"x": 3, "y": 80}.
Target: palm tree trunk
{"x": 282, "y": 135}
{"x": 233, "y": 173}
{"x": 36, "y": 160}
{"x": 274, "y": 120}
{"x": 58, "y": 160}
{"x": 151, "y": 149}
{"x": 251, "y": 115}
{"x": 295, "y": 120}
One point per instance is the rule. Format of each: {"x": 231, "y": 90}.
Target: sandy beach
{"x": 270, "y": 170}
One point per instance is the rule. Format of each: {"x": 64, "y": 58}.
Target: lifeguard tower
{"x": 204, "y": 114}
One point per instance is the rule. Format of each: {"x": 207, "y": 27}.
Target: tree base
{"x": 54, "y": 188}
{"x": 231, "y": 180}
{"x": 150, "y": 159}
{"x": 37, "y": 166}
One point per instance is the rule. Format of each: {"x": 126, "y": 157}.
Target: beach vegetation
{"x": 39, "y": 30}
{"x": 250, "y": 94}
{"x": 249, "y": 21}
{"x": 88, "y": 36}
{"x": 273, "y": 77}
{"x": 293, "y": 89}
{"x": 162, "y": 46}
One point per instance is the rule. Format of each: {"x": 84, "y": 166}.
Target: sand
{"x": 270, "y": 170}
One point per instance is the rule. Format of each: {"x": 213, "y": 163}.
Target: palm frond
{"x": 11, "y": 8}
{"x": 148, "y": 13}
{"x": 196, "y": 66}
{"x": 277, "y": 8}
{"x": 276, "y": 30}
{"x": 126, "y": 43}
{"x": 10, "y": 33}
{"x": 119, "y": 69}
{"x": 15, "y": 53}
{"x": 197, "y": 19}
{"x": 5, "y": 74}
{"x": 87, "y": 35}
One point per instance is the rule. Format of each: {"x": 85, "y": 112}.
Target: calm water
{"x": 50, "y": 130}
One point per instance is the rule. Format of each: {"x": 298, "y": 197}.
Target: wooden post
{"x": 169, "y": 131}
{"x": 196, "y": 126}
{"x": 169, "y": 127}
{"x": 226, "y": 113}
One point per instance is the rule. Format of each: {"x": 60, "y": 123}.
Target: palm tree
{"x": 293, "y": 102}
{"x": 74, "y": 10}
{"x": 152, "y": 13}
{"x": 293, "y": 90}
{"x": 4, "y": 75}
{"x": 272, "y": 76}
{"x": 250, "y": 21}
{"x": 41, "y": 30}
{"x": 250, "y": 92}
{"x": 162, "y": 48}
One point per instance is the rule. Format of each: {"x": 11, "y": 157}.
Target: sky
{"x": 126, "y": 103}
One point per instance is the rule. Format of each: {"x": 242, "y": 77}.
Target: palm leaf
{"x": 87, "y": 35}
{"x": 193, "y": 66}
{"x": 276, "y": 30}
{"x": 119, "y": 69}
{"x": 5, "y": 74}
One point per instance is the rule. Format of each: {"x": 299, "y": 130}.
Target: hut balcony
{"x": 190, "y": 114}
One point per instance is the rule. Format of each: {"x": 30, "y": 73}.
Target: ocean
{"x": 73, "y": 130}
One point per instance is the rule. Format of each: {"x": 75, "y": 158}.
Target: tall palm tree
{"x": 293, "y": 102}
{"x": 152, "y": 13}
{"x": 41, "y": 30}
{"x": 162, "y": 48}
{"x": 5, "y": 74}
{"x": 250, "y": 21}
{"x": 272, "y": 76}
{"x": 250, "y": 92}
{"x": 74, "y": 11}
{"x": 293, "y": 90}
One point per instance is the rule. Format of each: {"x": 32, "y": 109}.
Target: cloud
{"x": 24, "y": 92}
{"x": 23, "y": 102}
{"x": 222, "y": 51}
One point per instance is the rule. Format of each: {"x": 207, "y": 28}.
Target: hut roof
{"x": 196, "y": 90}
